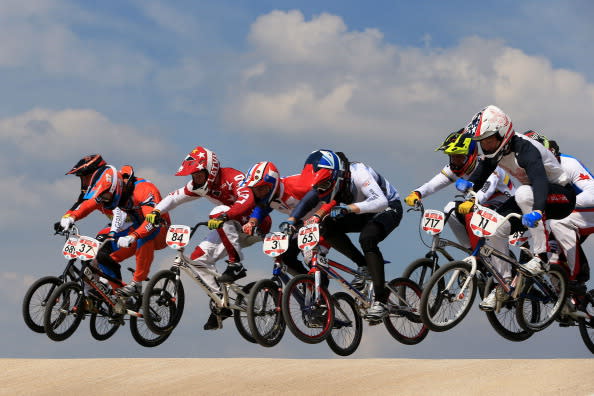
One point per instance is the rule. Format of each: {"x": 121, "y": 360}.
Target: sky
{"x": 144, "y": 82}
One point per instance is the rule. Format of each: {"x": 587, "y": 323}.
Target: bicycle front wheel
{"x": 163, "y": 310}
{"x": 403, "y": 321}
{"x": 586, "y": 325}
{"x": 63, "y": 312}
{"x": 35, "y": 301}
{"x": 547, "y": 292}
{"x": 420, "y": 271}
{"x": 264, "y": 313}
{"x": 442, "y": 309}
{"x": 308, "y": 315}
{"x": 345, "y": 337}
{"x": 102, "y": 323}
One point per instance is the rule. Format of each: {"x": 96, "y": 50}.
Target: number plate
{"x": 275, "y": 244}
{"x": 308, "y": 237}
{"x": 433, "y": 221}
{"x": 178, "y": 236}
{"x": 518, "y": 238}
{"x": 484, "y": 222}
{"x": 69, "y": 249}
{"x": 87, "y": 248}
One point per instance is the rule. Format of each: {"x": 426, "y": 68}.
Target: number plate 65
{"x": 308, "y": 237}
{"x": 178, "y": 236}
{"x": 275, "y": 244}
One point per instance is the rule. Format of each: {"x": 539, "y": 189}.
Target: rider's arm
{"x": 84, "y": 209}
{"x": 488, "y": 189}
{"x": 530, "y": 159}
{"x": 309, "y": 201}
{"x": 437, "y": 182}
{"x": 366, "y": 185}
{"x": 244, "y": 204}
{"x": 484, "y": 169}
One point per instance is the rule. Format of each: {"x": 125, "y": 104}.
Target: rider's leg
{"x": 335, "y": 232}
{"x": 229, "y": 234}
{"x": 458, "y": 228}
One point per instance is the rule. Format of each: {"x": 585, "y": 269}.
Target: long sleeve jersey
{"x": 499, "y": 183}
{"x": 226, "y": 190}
{"x": 530, "y": 163}
{"x": 581, "y": 180}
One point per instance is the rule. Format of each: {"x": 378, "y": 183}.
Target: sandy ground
{"x": 295, "y": 377}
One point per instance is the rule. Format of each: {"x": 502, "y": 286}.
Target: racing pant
{"x": 373, "y": 228}
{"x": 560, "y": 202}
{"x": 567, "y": 231}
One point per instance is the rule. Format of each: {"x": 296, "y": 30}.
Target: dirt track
{"x": 292, "y": 376}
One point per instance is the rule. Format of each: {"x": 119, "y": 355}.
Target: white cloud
{"x": 308, "y": 76}
{"x": 169, "y": 18}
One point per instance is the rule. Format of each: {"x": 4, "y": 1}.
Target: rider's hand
{"x": 412, "y": 198}
{"x": 463, "y": 185}
{"x": 287, "y": 227}
{"x": 217, "y": 222}
{"x": 249, "y": 227}
{"x": 314, "y": 219}
{"x": 66, "y": 222}
{"x": 531, "y": 219}
{"x": 126, "y": 241}
{"x": 154, "y": 217}
{"x": 339, "y": 211}
{"x": 465, "y": 207}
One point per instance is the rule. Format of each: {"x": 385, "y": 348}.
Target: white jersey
{"x": 372, "y": 193}
{"x": 581, "y": 179}
{"x": 498, "y": 186}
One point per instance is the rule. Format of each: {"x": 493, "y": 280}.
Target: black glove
{"x": 287, "y": 227}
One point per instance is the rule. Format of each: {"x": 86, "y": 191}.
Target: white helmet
{"x": 492, "y": 121}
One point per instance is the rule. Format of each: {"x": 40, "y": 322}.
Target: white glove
{"x": 66, "y": 222}
{"x": 126, "y": 241}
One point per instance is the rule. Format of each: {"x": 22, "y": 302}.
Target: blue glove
{"x": 463, "y": 185}
{"x": 531, "y": 219}
{"x": 339, "y": 211}
{"x": 287, "y": 227}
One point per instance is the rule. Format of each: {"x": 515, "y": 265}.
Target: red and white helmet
{"x": 263, "y": 174}
{"x": 197, "y": 160}
{"x": 492, "y": 121}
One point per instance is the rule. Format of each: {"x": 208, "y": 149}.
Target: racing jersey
{"x": 226, "y": 190}
{"x": 498, "y": 185}
{"x": 530, "y": 163}
{"x": 581, "y": 180}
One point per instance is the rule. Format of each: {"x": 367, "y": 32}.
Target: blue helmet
{"x": 326, "y": 170}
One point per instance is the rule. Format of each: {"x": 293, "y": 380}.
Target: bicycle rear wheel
{"x": 403, "y": 321}
{"x": 264, "y": 313}
{"x": 442, "y": 309}
{"x": 309, "y": 318}
{"x": 35, "y": 301}
{"x": 548, "y": 291}
{"x": 587, "y": 325}
{"x": 63, "y": 312}
{"x": 163, "y": 310}
{"x": 240, "y": 316}
{"x": 345, "y": 337}
{"x": 140, "y": 331}
{"x": 504, "y": 322}
{"x": 420, "y": 271}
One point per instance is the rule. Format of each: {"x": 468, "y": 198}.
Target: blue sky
{"x": 143, "y": 82}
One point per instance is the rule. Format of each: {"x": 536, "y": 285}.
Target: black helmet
{"x": 87, "y": 165}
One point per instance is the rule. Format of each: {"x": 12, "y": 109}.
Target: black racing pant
{"x": 372, "y": 228}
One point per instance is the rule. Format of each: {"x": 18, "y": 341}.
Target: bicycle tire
{"x": 405, "y": 325}
{"x": 552, "y": 284}
{"x": 505, "y": 322}
{"x": 140, "y": 331}
{"x": 240, "y": 316}
{"x": 439, "y": 309}
{"x": 101, "y": 324}
{"x": 420, "y": 271}
{"x": 345, "y": 337}
{"x": 63, "y": 312}
{"x": 158, "y": 316}
{"x": 586, "y": 326}
{"x": 310, "y": 321}
{"x": 264, "y": 313}
{"x": 35, "y": 301}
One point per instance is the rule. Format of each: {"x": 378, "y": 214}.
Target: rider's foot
{"x": 576, "y": 288}
{"x": 534, "y": 267}
{"x": 233, "y": 272}
{"x": 358, "y": 281}
{"x": 376, "y": 312}
{"x": 497, "y": 294}
{"x": 213, "y": 321}
{"x": 131, "y": 289}
{"x": 88, "y": 305}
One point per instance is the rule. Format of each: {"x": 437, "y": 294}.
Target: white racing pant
{"x": 567, "y": 233}
{"x": 500, "y": 239}
{"x": 457, "y": 227}
{"x": 213, "y": 249}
